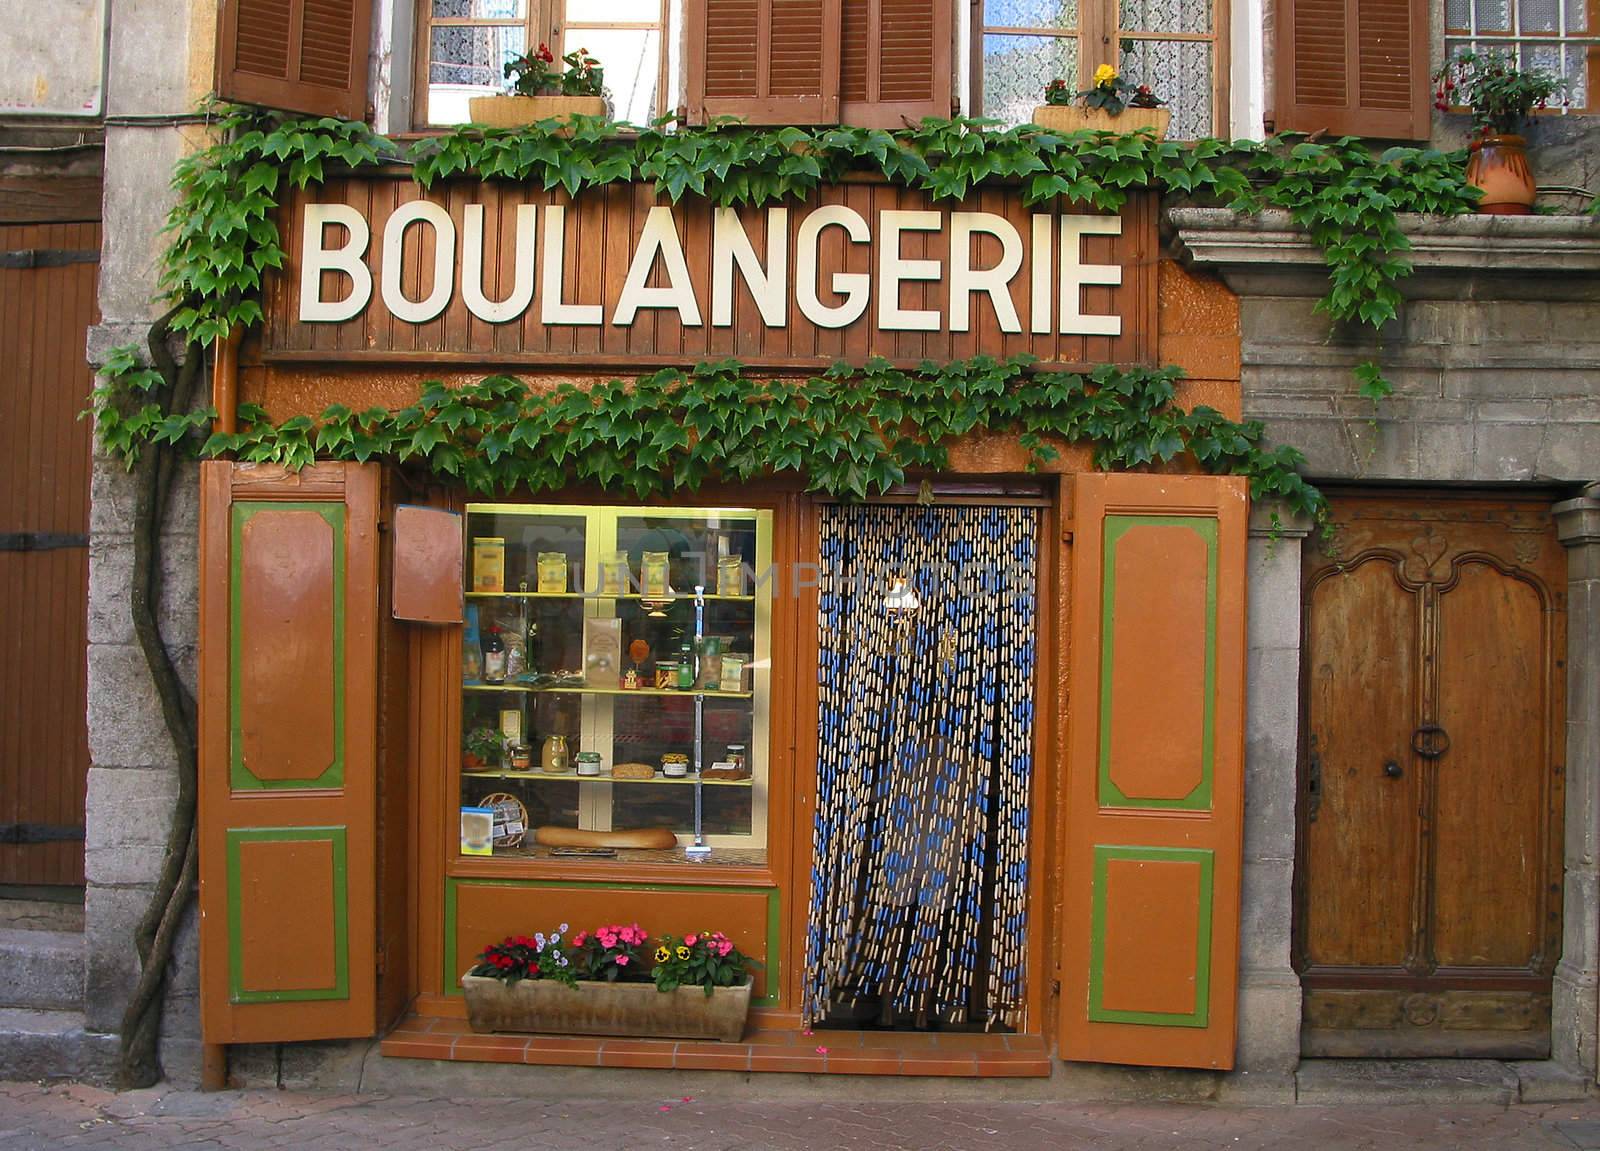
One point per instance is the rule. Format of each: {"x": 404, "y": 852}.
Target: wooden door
{"x": 47, "y": 302}
{"x": 1155, "y": 770}
{"x": 288, "y": 746}
{"x": 1428, "y": 885}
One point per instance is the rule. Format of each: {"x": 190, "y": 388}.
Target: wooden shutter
{"x": 1354, "y": 68}
{"x": 1154, "y": 770}
{"x": 895, "y": 61}
{"x": 307, "y": 56}
{"x": 768, "y": 61}
{"x": 288, "y": 731}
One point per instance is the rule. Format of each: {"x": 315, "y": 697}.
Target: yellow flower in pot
{"x": 1111, "y": 105}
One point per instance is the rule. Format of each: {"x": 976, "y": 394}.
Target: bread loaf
{"x": 655, "y": 837}
{"x": 632, "y": 771}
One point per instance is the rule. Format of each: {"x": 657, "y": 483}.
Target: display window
{"x": 615, "y": 680}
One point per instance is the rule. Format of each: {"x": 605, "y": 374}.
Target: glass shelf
{"x": 684, "y": 693}
{"x": 573, "y": 777}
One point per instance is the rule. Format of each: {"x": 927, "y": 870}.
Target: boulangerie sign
{"x": 494, "y": 272}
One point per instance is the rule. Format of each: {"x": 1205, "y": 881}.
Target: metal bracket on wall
{"x": 48, "y": 257}
{"x": 39, "y": 833}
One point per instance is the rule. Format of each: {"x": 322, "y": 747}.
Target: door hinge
{"x": 48, "y": 257}
{"x": 40, "y": 833}
{"x": 383, "y": 960}
{"x": 41, "y": 541}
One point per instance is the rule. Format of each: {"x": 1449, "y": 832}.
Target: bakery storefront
{"x": 838, "y": 730}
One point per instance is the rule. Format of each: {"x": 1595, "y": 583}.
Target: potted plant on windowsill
{"x": 596, "y": 983}
{"x": 1500, "y": 97}
{"x": 542, "y": 90}
{"x": 1112, "y": 105}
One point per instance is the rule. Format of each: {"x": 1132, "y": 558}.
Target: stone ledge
{"x": 1217, "y": 237}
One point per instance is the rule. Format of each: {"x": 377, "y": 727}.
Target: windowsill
{"x": 725, "y": 866}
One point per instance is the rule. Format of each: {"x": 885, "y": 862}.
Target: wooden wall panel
{"x": 44, "y": 488}
{"x": 602, "y": 230}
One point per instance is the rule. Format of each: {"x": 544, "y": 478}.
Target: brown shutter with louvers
{"x": 1353, "y": 67}
{"x": 307, "y": 56}
{"x": 894, "y": 61}
{"x": 768, "y": 61}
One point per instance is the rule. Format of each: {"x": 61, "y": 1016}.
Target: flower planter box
{"x": 518, "y": 111}
{"x": 637, "y": 1009}
{"x": 1075, "y": 118}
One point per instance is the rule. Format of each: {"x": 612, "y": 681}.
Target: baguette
{"x": 656, "y": 837}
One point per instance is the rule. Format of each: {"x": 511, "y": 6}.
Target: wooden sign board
{"x": 496, "y": 273}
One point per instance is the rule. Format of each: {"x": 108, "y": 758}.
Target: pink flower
{"x": 577, "y": 940}
{"x": 724, "y": 948}
{"x": 622, "y": 961}
{"x": 822, "y": 1050}
{"x": 689, "y": 939}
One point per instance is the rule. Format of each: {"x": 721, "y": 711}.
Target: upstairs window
{"x": 1172, "y": 45}
{"x": 465, "y": 45}
{"x": 1561, "y": 37}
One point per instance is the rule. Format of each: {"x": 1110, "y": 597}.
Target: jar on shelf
{"x": 588, "y": 763}
{"x": 553, "y": 757}
{"x": 521, "y": 757}
{"x": 666, "y": 674}
{"x": 675, "y": 765}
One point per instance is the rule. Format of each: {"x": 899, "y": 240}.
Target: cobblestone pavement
{"x": 69, "y": 1115}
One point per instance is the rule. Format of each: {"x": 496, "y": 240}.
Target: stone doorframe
{"x": 1269, "y": 988}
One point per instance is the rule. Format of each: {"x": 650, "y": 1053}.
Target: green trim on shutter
{"x": 237, "y": 993}
{"x": 1115, "y": 528}
{"x": 240, "y": 778}
{"x": 773, "y": 967}
{"x": 1097, "y": 936}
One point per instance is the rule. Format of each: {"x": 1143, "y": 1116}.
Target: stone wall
{"x": 132, "y": 777}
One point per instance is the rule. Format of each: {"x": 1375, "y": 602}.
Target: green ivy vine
{"x": 225, "y": 238}
{"x": 850, "y": 432}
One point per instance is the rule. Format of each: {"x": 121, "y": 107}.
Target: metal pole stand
{"x": 699, "y": 849}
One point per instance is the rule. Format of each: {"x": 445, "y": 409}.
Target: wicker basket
{"x": 1076, "y": 118}
{"x": 518, "y": 111}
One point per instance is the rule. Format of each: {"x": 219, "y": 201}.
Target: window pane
{"x": 1577, "y": 16}
{"x": 1178, "y": 71}
{"x": 1031, "y": 13}
{"x": 1456, "y": 14}
{"x": 632, "y": 60}
{"x": 614, "y": 11}
{"x": 467, "y": 62}
{"x": 1166, "y": 16}
{"x": 1577, "y": 76}
{"x": 480, "y": 9}
{"x": 1493, "y": 15}
{"x": 1540, "y": 16}
{"x": 1016, "y": 69}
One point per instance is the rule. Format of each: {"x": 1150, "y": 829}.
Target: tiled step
{"x": 38, "y": 1045}
{"x": 41, "y": 969}
{"x": 822, "y": 1053}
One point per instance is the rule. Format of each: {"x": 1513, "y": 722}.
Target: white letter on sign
{"x": 1075, "y": 274}
{"x": 730, "y": 245}
{"x": 892, "y": 270}
{"x": 660, "y": 235}
{"x": 444, "y": 261}
{"x": 553, "y": 309}
{"x": 316, "y": 259}
{"x": 996, "y": 281}
{"x": 521, "y": 295}
{"x": 853, "y": 286}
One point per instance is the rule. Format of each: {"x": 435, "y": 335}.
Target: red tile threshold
{"x": 824, "y": 1053}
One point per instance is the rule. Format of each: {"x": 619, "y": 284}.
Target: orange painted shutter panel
{"x": 288, "y": 746}
{"x": 1155, "y": 768}
{"x": 895, "y": 61}
{"x": 1354, "y": 68}
{"x": 767, "y": 61}
{"x": 307, "y": 56}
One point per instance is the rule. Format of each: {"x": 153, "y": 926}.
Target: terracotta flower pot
{"x": 518, "y": 111}
{"x": 1076, "y": 118}
{"x": 1499, "y": 165}
{"x": 599, "y": 1008}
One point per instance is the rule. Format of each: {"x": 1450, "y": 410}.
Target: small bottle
{"x": 494, "y": 658}
{"x": 686, "y": 664}
{"x": 533, "y": 648}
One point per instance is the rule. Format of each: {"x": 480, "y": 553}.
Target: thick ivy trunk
{"x": 154, "y": 474}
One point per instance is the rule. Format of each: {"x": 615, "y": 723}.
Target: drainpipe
{"x": 225, "y": 383}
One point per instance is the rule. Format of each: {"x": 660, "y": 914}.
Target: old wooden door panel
{"x": 1428, "y": 887}
{"x": 1488, "y": 903}
{"x": 1151, "y": 916}
{"x": 47, "y": 302}
{"x": 1363, "y": 636}
{"x": 288, "y": 746}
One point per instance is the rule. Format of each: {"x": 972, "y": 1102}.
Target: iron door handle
{"x": 1430, "y": 741}
{"x": 1392, "y": 769}
{"x": 1313, "y": 787}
